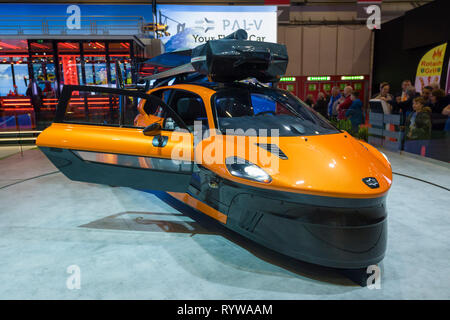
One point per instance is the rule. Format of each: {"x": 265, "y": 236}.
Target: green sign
{"x": 287, "y": 79}
{"x": 358, "y": 86}
{"x": 290, "y": 88}
{"x": 352, "y": 78}
{"x": 321, "y": 78}
{"x": 312, "y": 87}
{"x": 342, "y": 86}
{"x": 327, "y": 87}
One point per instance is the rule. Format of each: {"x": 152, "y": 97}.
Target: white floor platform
{"x": 130, "y": 244}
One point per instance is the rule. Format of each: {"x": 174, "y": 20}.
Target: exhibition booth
{"x": 223, "y": 152}
{"x": 35, "y": 70}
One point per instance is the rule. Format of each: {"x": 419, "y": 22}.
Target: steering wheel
{"x": 266, "y": 112}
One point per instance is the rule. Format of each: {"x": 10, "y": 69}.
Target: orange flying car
{"x": 252, "y": 156}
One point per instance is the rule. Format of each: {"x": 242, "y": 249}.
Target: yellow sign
{"x": 430, "y": 67}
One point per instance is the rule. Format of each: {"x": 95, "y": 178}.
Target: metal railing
{"x": 56, "y": 25}
{"x": 383, "y": 131}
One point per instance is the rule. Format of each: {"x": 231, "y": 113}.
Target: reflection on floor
{"x": 6, "y": 151}
{"x": 148, "y": 245}
{"x": 149, "y": 221}
{"x": 193, "y": 223}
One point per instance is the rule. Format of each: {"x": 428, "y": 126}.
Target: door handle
{"x": 160, "y": 141}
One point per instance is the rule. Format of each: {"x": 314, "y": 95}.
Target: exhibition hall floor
{"x": 131, "y": 244}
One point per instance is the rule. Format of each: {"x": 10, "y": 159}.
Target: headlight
{"x": 243, "y": 169}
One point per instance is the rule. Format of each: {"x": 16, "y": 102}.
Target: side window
{"x": 159, "y": 112}
{"x": 190, "y": 107}
{"x": 100, "y": 107}
{"x": 153, "y": 109}
{"x": 93, "y": 108}
{"x": 231, "y": 103}
{"x": 130, "y": 111}
{"x": 165, "y": 96}
{"x": 156, "y": 110}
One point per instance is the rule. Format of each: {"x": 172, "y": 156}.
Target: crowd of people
{"x": 421, "y": 113}
{"x": 339, "y": 105}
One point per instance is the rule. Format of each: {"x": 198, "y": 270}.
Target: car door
{"x": 93, "y": 139}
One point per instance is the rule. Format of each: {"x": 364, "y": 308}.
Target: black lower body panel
{"x": 127, "y": 172}
{"x": 333, "y": 232}
{"x": 339, "y": 237}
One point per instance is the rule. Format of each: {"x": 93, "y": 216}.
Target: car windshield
{"x": 248, "y": 110}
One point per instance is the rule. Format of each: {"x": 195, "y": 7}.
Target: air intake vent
{"x": 273, "y": 148}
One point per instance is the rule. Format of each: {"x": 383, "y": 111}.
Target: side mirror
{"x": 152, "y": 129}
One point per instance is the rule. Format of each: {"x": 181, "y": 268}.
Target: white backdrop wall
{"x": 327, "y": 50}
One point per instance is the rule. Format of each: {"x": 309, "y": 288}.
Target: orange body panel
{"x": 196, "y": 204}
{"x": 326, "y": 165}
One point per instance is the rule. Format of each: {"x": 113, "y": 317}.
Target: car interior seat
{"x": 190, "y": 109}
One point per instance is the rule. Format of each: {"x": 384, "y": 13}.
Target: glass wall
{"x": 15, "y": 108}
{"x": 120, "y": 61}
{"x": 20, "y": 65}
{"x": 13, "y": 66}
{"x": 69, "y": 63}
{"x": 44, "y": 68}
{"x": 6, "y": 77}
{"x": 33, "y": 72}
{"x": 95, "y": 63}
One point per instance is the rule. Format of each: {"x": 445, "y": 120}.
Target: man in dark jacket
{"x": 405, "y": 106}
{"x": 321, "y": 104}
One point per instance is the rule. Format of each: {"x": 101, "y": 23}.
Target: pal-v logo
{"x": 229, "y": 25}
{"x": 247, "y": 25}
{"x": 205, "y": 24}
{"x": 371, "y": 182}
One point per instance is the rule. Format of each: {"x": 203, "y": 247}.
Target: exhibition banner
{"x": 429, "y": 69}
{"x": 190, "y": 26}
